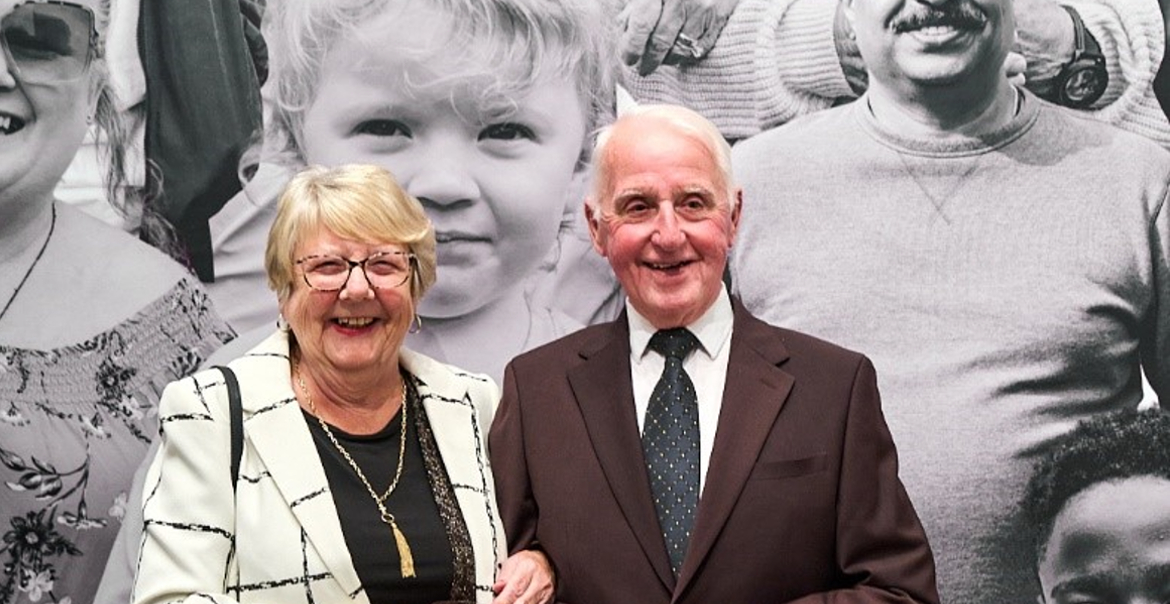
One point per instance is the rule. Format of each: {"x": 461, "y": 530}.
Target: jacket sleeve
{"x": 509, "y": 463}
{"x": 881, "y": 545}
{"x": 188, "y": 501}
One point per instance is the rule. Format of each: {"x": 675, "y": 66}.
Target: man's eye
{"x": 508, "y": 131}
{"x": 636, "y": 209}
{"x": 383, "y": 128}
{"x": 693, "y": 205}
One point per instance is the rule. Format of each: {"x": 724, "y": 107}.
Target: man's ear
{"x": 735, "y": 213}
{"x": 596, "y": 231}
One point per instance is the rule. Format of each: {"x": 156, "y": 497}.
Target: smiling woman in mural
{"x": 92, "y": 322}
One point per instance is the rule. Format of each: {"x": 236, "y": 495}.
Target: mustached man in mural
{"x": 1099, "y": 513}
{"x": 93, "y": 323}
{"x": 688, "y": 452}
{"x": 1005, "y": 261}
{"x": 750, "y": 65}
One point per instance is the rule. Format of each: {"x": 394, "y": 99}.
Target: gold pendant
{"x": 405, "y": 557}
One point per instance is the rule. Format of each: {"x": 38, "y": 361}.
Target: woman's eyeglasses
{"x": 48, "y": 41}
{"x": 383, "y": 270}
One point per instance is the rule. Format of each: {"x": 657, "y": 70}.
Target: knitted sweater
{"x": 1005, "y": 288}
{"x": 776, "y": 60}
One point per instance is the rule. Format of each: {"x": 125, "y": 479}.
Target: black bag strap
{"x": 236, "y": 413}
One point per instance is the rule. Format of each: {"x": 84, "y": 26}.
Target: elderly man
{"x": 1005, "y": 262}
{"x": 688, "y": 452}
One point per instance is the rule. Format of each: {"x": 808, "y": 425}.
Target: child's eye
{"x": 383, "y": 128}
{"x": 508, "y": 131}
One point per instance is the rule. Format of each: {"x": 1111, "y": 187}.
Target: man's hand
{"x": 1045, "y": 36}
{"x": 674, "y": 32}
{"x": 526, "y": 577}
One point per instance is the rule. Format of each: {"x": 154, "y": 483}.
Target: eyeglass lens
{"x": 48, "y": 42}
{"x": 383, "y": 270}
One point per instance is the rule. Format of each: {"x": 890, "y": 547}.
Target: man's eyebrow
{"x": 1155, "y": 576}
{"x": 1098, "y": 583}
{"x": 679, "y": 191}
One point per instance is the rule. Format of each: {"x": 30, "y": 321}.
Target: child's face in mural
{"x": 42, "y": 118}
{"x": 491, "y": 165}
{"x": 1111, "y": 545}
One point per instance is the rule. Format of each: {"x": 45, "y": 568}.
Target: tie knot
{"x": 674, "y": 343}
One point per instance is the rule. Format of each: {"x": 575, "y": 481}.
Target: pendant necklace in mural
{"x": 41, "y": 252}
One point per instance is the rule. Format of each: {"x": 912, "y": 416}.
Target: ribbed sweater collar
{"x": 948, "y": 145}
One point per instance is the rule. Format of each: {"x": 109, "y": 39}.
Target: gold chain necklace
{"x": 405, "y": 557}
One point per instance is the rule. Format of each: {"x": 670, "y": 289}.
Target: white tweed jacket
{"x": 281, "y": 524}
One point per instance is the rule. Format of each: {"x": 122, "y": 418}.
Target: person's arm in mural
{"x": 778, "y": 59}
{"x": 1155, "y": 339}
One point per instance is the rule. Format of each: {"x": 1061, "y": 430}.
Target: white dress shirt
{"x": 706, "y": 366}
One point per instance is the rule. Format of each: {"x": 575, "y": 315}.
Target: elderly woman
{"x": 363, "y": 475}
{"x": 93, "y": 322}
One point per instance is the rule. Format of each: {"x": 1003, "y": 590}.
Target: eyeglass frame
{"x": 411, "y": 262}
{"x": 93, "y": 50}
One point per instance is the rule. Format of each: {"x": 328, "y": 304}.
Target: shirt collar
{"x": 713, "y": 329}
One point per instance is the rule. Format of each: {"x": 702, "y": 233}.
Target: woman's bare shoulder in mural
{"x": 91, "y": 277}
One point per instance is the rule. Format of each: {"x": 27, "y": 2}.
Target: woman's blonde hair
{"x": 358, "y": 202}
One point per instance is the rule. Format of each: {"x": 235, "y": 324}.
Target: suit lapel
{"x": 754, "y": 393}
{"x": 603, "y": 391}
{"x": 276, "y": 430}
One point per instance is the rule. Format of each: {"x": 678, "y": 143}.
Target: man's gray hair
{"x": 686, "y": 122}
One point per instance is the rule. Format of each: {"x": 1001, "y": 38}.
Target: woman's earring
{"x": 416, "y": 325}
{"x": 281, "y": 323}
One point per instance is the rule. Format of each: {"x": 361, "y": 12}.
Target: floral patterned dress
{"x": 75, "y": 423}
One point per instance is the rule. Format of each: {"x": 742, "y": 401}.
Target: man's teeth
{"x": 354, "y": 321}
{"x": 937, "y": 30}
{"x": 666, "y": 266}
{"x": 9, "y": 124}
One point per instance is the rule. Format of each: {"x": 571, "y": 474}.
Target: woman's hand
{"x": 526, "y": 577}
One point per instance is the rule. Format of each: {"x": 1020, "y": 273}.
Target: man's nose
{"x": 668, "y": 229}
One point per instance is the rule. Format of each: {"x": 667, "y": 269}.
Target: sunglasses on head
{"x": 48, "y": 41}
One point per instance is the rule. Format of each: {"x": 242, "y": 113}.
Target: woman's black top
{"x": 370, "y": 541}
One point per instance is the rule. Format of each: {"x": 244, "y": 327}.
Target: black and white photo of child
{"x": 1099, "y": 509}
{"x": 481, "y": 110}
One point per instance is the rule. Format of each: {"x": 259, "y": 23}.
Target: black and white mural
{"x": 143, "y": 146}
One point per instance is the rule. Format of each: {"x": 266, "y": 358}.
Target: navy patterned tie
{"x": 670, "y": 443}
